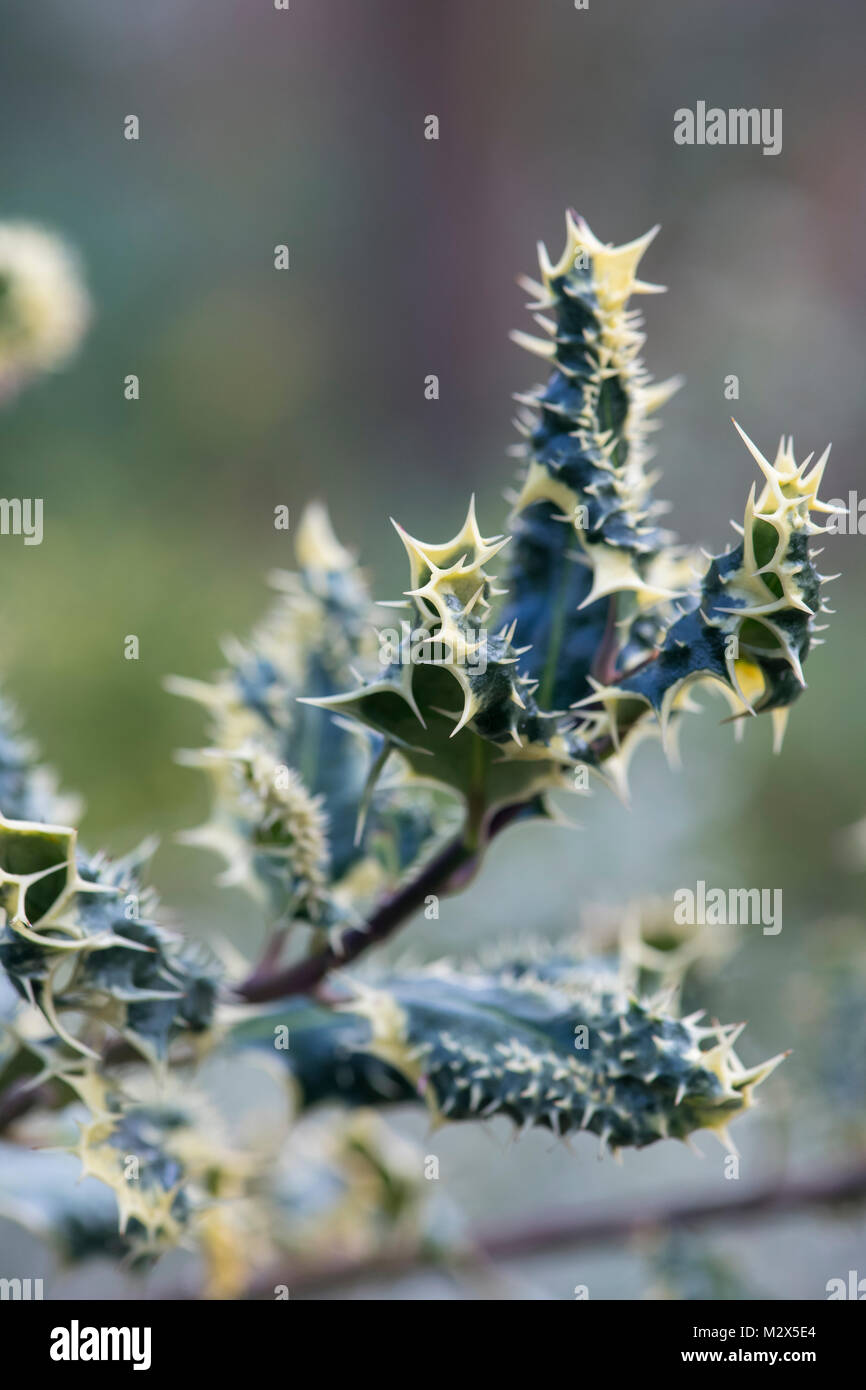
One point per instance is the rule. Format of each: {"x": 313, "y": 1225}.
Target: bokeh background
{"x": 259, "y": 388}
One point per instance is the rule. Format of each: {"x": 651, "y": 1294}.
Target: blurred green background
{"x": 259, "y": 388}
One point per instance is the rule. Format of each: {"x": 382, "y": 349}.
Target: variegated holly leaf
{"x": 78, "y": 938}
{"x": 585, "y": 524}
{"x": 546, "y": 1039}
{"x": 560, "y": 1046}
{"x": 752, "y": 625}
{"x": 452, "y": 702}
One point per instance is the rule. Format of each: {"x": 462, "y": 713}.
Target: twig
{"x": 448, "y": 871}
{"x": 776, "y": 1197}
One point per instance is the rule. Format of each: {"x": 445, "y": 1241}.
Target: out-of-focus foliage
{"x": 681, "y": 1267}
{"x": 44, "y": 307}
{"x": 297, "y": 817}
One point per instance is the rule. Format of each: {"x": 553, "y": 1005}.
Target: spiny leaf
{"x": 546, "y": 1038}
{"x": 162, "y": 1152}
{"x": 73, "y": 940}
{"x": 453, "y": 703}
{"x": 752, "y": 625}
{"x": 557, "y": 1044}
{"x": 585, "y": 525}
